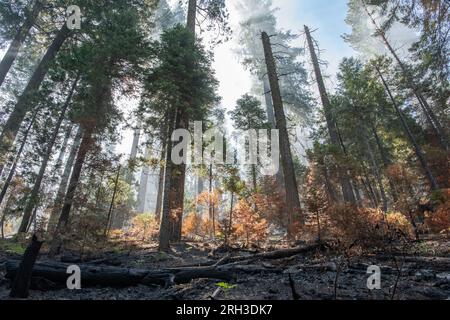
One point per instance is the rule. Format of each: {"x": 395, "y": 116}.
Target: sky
{"x": 328, "y": 17}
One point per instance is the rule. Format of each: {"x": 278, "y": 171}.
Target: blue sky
{"x": 327, "y": 16}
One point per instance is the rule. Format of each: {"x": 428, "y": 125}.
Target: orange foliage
{"x": 439, "y": 221}
{"x": 248, "y": 226}
{"x": 366, "y": 226}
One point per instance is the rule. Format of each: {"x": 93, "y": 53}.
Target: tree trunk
{"x": 22, "y": 279}
{"x": 16, "y": 44}
{"x": 33, "y": 198}
{"x": 376, "y": 171}
{"x": 143, "y": 183}
{"x": 133, "y": 153}
{"x": 12, "y": 171}
{"x": 419, "y": 153}
{"x": 57, "y": 203}
{"x": 178, "y": 177}
{"x": 111, "y": 206}
{"x": 230, "y": 222}
{"x": 271, "y": 118}
{"x": 107, "y": 276}
{"x": 292, "y": 196}
{"x": 428, "y": 112}
{"x": 371, "y": 190}
{"x": 178, "y": 174}
{"x": 328, "y": 185}
{"x": 164, "y": 228}
{"x": 62, "y": 151}
{"x": 63, "y": 221}
{"x": 386, "y": 162}
{"x": 191, "y": 18}
{"x": 160, "y": 181}
{"x": 23, "y": 104}
{"x": 331, "y": 124}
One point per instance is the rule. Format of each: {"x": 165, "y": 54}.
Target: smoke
{"x": 364, "y": 40}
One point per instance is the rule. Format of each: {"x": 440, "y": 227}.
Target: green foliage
{"x": 249, "y": 114}
{"x": 181, "y": 78}
{"x": 11, "y": 246}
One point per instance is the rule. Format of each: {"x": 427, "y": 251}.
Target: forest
{"x": 116, "y": 117}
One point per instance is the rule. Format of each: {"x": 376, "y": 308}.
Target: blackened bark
{"x": 164, "y": 228}
{"x": 22, "y": 280}
{"x": 292, "y": 196}
{"x": 63, "y": 221}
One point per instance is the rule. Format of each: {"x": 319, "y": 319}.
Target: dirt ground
{"x": 421, "y": 273}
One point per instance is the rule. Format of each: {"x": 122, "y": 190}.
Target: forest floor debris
{"x": 265, "y": 275}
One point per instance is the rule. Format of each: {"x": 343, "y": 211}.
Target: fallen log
{"x": 92, "y": 275}
{"x": 277, "y": 254}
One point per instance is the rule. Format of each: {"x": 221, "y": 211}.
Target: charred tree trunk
{"x": 86, "y": 144}
{"x": 271, "y": 117}
{"x": 22, "y": 280}
{"x": 331, "y": 124}
{"x": 16, "y": 44}
{"x": 33, "y": 198}
{"x": 178, "y": 177}
{"x": 57, "y": 203}
{"x": 164, "y": 228}
{"x": 292, "y": 196}
{"x": 419, "y": 153}
{"x": 23, "y": 105}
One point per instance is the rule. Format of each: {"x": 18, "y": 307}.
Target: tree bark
{"x": 17, "y": 42}
{"x": 107, "y": 276}
{"x": 292, "y": 196}
{"x": 143, "y": 183}
{"x": 22, "y": 278}
{"x": 23, "y": 105}
{"x": 57, "y": 203}
{"x": 63, "y": 221}
{"x": 111, "y": 206}
{"x": 133, "y": 153}
{"x": 62, "y": 151}
{"x": 160, "y": 180}
{"x": 419, "y": 153}
{"x": 33, "y": 198}
{"x": 331, "y": 124}
{"x": 164, "y": 228}
{"x": 271, "y": 118}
